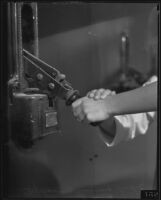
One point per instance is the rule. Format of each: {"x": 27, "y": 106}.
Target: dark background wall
{"x": 82, "y": 40}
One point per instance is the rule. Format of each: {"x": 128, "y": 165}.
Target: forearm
{"x": 142, "y": 99}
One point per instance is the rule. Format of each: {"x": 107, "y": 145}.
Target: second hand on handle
{"x": 73, "y": 98}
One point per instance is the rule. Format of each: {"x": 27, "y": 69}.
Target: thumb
{"x": 77, "y": 103}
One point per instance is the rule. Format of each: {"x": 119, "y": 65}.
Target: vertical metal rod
{"x": 14, "y": 37}
{"x": 124, "y": 52}
{"x": 16, "y": 40}
{"x": 35, "y": 18}
{"x": 19, "y": 46}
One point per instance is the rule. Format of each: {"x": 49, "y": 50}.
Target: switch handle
{"x": 73, "y": 98}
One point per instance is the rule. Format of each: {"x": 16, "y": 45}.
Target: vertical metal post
{"x": 36, "y": 36}
{"x": 124, "y": 52}
{"x": 22, "y": 81}
{"x": 16, "y": 38}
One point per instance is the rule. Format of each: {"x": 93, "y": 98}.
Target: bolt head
{"x": 51, "y": 86}
{"x": 39, "y": 76}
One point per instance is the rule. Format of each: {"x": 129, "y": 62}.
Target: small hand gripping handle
{"x": 73, "y": 98}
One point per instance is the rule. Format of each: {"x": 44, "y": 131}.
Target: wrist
{"x": 109, "y": 106}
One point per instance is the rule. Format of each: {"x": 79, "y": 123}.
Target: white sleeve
{"x": 129, "y": 126}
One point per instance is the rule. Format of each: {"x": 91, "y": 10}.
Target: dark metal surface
{"x": 32, "y": 118}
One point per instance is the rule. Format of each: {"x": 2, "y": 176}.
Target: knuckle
{"x": 92, "y": 94}
{"x": 108, "y": 91}
{"x": 102, "y": 90}
{"x": 93, "y": 91}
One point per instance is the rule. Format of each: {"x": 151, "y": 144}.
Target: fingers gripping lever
{"x": 73, "y": 98}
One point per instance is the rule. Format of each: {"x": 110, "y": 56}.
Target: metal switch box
{"x": 32, "y": 118}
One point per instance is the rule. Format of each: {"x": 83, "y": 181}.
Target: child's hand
{"x": 100, "y": 93}
{"x": 89, "y": 110}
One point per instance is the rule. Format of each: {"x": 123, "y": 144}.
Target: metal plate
{"x": 51, "y": 119}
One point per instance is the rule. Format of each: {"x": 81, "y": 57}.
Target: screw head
{"x": 39, "y": 76}
{"x": 51, "y": 86}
